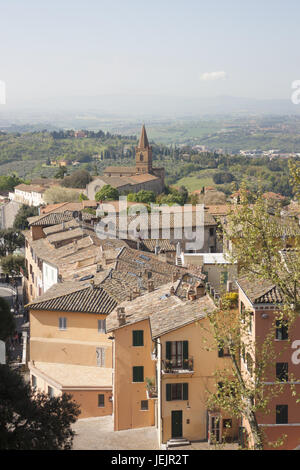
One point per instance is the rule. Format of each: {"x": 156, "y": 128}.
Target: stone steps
{"x": 178, "y": 442}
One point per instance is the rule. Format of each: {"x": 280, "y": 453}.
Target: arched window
{"x": 141, "y": 157}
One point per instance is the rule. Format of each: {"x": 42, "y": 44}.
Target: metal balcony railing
{"x": 178, "y": 365}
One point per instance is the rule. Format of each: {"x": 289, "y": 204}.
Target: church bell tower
{"x": 143, "y": 154}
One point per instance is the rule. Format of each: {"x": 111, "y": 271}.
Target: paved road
{"x": 98, "y": 434}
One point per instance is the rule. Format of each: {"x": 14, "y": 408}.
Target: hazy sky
{"x": 51, "y": 49}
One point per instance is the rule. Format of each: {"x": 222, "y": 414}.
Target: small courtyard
{"x": 98, "y": 434}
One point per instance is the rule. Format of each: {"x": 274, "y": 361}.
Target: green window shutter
{"x": 168, "y": 392}
{"x": 185, "y": 391}
{"x": 224, "y": 277}
{"x": 138, "y": 374}
{"x": 138, "y": 338}
{"x": 185, "y": 349}
{"x": 220, "y": 352}
{"x": 168, "y": 350}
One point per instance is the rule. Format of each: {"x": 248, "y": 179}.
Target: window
{"x": 227, "y": 423}
{"x": 138, "y": 338}
{"x": 62, "y": 323}
{"x": 281, "y": 330}
{"x": 222, "y": 352}
{"x": 177, "y": 391}
{"x": 138, "y": 374}
{"x": 144, "y": 405}
{"x": 281, "y": 414}
{"x": 101, "y": 326}
{"x": 243, "y": 315}
{"x": 177, "y": 353}
{"x": 249, "y": 362}
{"x": 33, "y": 381}
{"x": 282, "y": 371}
{"x": 50, "y": 392}
{"x": 100, "y": 356}
{"x": 101, "y": 402}
{"x": 211, "y": 232}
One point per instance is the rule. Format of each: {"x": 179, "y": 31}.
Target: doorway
{"x": 176, "y": 424}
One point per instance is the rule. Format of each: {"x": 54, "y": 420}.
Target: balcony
{"x": 178, "y": 366}
{"x": 151, "y": 389}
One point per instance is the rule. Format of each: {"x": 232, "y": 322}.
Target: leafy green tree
{"x": 107, "y": 193}
{"x": 7, "y": 183}
{"x": 31, "y": 420}
{"x": 78, "y": 179}
{"x": 57, "y": 194}
{"x": 21, "y": 222}
{"x": 83, "y": 197}
{"x": 11, "y": 264}
{"x": 61, "y": 172}
{"x": 143, "y": 196}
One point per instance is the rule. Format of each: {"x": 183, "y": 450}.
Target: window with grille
{"x": 144, "y": 405}
{"x": 62, "y": 323}
{"x": 281, "y": 414}
{"x": 100, "y": 356}
{"x": 101, "y": 326}
{"x": 177, "y": 353}
{"x": 281, "y": 330}
{"x": 282, "y": 371}
{"x": 101, "y": 402}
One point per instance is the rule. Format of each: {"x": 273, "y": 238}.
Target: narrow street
{"x": 14, "y": 296}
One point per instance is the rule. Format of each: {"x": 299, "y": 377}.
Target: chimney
{"x": 99, "y": 268}
{"x": 200, "y": 289}
{"x": 121, "y": 315}
{"x": 92, "y": 285}
{"x": 75, "y": 245}
{"x": 150, "y": 286}
{"x": 136, "y": 293}
{"x": 172, "y": 290}
{"x": 190, "y": 294}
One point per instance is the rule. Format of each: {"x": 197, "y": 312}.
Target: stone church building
{"x": 132, "y": 179}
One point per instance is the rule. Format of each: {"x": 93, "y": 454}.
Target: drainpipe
{"x": 159, "y": 396}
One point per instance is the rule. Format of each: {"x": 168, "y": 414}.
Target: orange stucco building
{"x": 262, "y": 300}
{"x": 69, "y": 348}
{"x": 162, "y": 369}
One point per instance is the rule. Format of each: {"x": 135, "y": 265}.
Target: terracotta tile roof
{"x": 259, "y": 291}
{"x": 51, "y": 219}
{"x": 166, "y": 312}
{"x": 275, "y": 196}
{"x": 83, "y": 300}
{"x": 120, "y": 169}
{"x": 61, "y": 227}
{"x": 28, "y": 188}
{"x": 171, "y": 318}
{"x": 143, "y": 178}
{"x": 164, "y": 245}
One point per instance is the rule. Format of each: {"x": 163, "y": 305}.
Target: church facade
{"x": 132, "y": 179}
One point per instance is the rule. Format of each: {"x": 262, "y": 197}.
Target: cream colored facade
{"x": 152, "y": 357}
{"x": 75, "y": 360}
{"x": 201, "y": 381}
{"x": 128, "y": 412}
